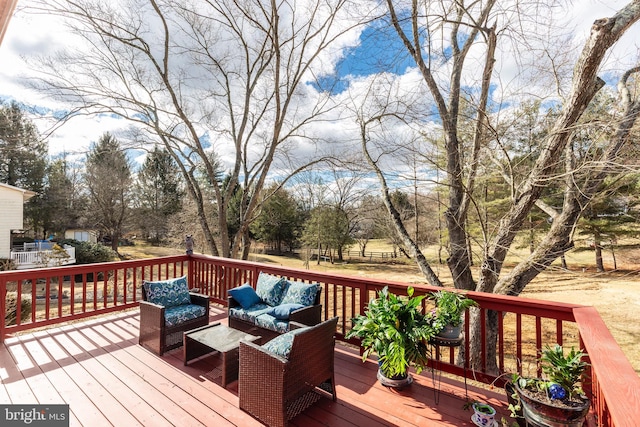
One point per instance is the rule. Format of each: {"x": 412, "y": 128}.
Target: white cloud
{"x": 29, "y": 36}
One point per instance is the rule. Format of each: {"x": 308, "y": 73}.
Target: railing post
{"x": 3, "y": 308}
{"x": 192, "y": 273}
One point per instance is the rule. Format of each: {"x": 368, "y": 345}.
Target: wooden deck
{"x": 98, "y": 368}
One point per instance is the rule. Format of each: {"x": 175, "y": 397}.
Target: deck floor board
{"x": 98, "y": 368}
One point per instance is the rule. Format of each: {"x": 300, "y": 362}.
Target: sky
{"x": 31, "y": 35}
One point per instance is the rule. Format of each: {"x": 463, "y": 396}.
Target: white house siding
{"x": 81, "y": 235}
{"x": 11, "y": 214}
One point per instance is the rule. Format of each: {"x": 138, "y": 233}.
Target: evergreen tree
{"x": 62, "y": 212}
{"x": 108, "y": 179}
{"x": 328, "y": 229}
{"x": 611, "y": 216}
{"x": 23, "y": 161}
{"x": 280, "y": 220}
{"x": 158, "y": 194}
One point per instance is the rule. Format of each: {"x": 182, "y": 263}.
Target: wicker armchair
{"x": 274, "y": 389}
{"x": 159, "y": 334}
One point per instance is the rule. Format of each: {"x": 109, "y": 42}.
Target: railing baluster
{"x": 519, "y": 342}
{"x": 483, "y": 338}
{"x": 60, "y": 296}
{"x": 538, "y": 342}
{"x": 500, "y": 315}
{"x": 47, "y": 297}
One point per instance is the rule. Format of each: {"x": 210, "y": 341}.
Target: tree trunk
{"x": 598, "y": 251}
{"x": 475, "y": 336}
{"x": 613, "y": 255}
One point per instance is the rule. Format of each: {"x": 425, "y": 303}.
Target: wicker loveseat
{"x": 283, "y": 377}
{"x": 168, "y": 309}
{"x": 276, "y": 301}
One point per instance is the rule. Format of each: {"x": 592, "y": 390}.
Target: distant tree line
{"x": 108, "y": 193}
{"x": 102, "y": 192}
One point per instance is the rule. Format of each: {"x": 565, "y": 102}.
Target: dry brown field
{"x": 615, "y": 294}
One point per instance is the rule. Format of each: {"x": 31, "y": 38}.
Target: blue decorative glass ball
{"x": 556, "y": 391}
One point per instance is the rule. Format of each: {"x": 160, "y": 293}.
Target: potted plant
{"x": 395, "y": 329}
{"x": 558, "y": 399}
{"x": 483, "y": 414}
{"x": 446, "y": 317}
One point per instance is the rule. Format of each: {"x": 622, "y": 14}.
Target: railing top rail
{"x": 621, "y": 385}
{"x": 522, "y": 305}
{"x": 85, "y": 268}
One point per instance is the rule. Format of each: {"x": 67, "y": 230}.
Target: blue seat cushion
{"x": 269, "y": 288}
{"x": 168, "y": 293}
{"x": 300, "y": 293}
{"x": 249, "y": 314}
{"x": 245, "y": 295}
{"x": 282, "y": 311}
{"x": 282, "y": 344}
{"x": 267, "y": 321}
{"x": 174, "y": 316}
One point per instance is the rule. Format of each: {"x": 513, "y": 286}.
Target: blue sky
{"x": 379, "y": 49}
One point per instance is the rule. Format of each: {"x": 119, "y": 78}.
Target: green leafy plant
{"x": 562, "y": 376}
{"x": 484, "y": 408}
{"x": 449, "y": 307}
{"x": 395, "y": 329}
{"x": 565, "y": 371}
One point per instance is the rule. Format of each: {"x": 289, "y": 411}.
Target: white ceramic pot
{"x": 483, "y": 415}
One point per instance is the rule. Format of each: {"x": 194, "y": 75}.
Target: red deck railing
{"x": 524, "y": 326}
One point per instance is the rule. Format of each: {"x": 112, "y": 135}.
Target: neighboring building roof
{"x": 26, "y": 194}
{"x": 6, "y": 10}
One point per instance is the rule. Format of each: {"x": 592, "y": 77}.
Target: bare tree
{"x": 221, "y": 84}
{"x": 380, "y": 108}
{"x": 468, "y": 27}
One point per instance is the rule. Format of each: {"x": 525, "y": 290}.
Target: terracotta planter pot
{"x": 543, "y": 414}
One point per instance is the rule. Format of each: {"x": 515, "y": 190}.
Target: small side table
{"x": 216, "y": 338}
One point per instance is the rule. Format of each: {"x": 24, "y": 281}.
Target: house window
{"x": 81, "y": 236}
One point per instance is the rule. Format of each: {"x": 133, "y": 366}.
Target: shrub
{"x": 12, "y": 308}
{"x": 7, "y": 264}
{"x": 90, "y": 253}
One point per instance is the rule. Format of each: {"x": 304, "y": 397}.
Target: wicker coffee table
{"x": 216, "y": 338}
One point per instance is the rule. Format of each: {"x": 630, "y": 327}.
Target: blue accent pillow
{"x": 168, "y": 293}
{"x": 300, "y": 293}
{"x": 269, "y": 288}
{"x": 245, "y": 295}
{"x": 283, "y": 311}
